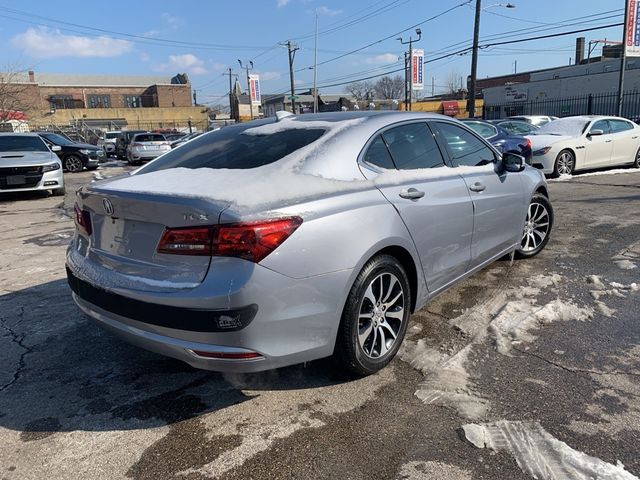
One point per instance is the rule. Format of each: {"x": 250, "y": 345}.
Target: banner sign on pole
{"x": 632, "y": 33}
{"x": 254, "y": 87}
{"x": 417, "y": 66}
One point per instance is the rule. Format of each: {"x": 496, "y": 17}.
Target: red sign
{"x": 450, "y": 108}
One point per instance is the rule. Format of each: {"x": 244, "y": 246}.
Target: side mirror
{"x": 56, "y": 148}
{"x": 512, "y": 162}
{"x": 595, "y": 133}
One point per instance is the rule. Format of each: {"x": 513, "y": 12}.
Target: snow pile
{"x": 541, "y": 455}
{"x": 615, "y": 171}
{"x": 625, "y": 259}
{"x": 625, "y": 264}
{"x": 282, "y": 181}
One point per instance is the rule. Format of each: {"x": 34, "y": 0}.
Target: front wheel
{"x": 73, "y": 164}
{"x": 537, "y": 227}
{"x": 565, "y": 163}
{"x": 375, "y": 317}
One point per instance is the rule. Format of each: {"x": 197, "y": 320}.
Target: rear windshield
{"x": 111, "y": 135}
{"x": 231, "y": 148}
{"x": 17, "y": 143}
{"x": 149, "y": 137}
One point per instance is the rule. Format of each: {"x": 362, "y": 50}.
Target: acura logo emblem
{"x": 108, "y": 206}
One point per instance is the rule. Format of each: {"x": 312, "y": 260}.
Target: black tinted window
{"x": 18, "y": 143}
{"x": 232, "y": 148}
{"x": 465, "y": 148}
{"x": 149, "y": 137}
{"x": 620, "y": 126}
{"x": 377, "y": 154}
{"x": 413, "y": 146}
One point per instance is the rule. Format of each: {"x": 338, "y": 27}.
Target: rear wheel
{"x": 375, "y": 317}
{"x": 636, "y": 163}
{"x": 537, "y": 227}
{"x": 565, "y": 163}
{"x": 73, "y": 164}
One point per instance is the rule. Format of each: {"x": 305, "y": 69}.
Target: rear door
{"x": 625, "y": 141}
{"x": 599, "y": 148}
{"x": 498, "y": 198}
{"x": 431, "y": 198}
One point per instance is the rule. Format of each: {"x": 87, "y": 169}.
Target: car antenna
{"x": 282, "y": 114}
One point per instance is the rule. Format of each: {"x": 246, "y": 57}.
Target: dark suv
{"x": 74, "y": 156}
{"x": 123, "y": 141}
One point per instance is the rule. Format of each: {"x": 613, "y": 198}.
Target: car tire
{"x": 537, "y": 227}
{"x": 58, "y": 192}
{"x": 93, "y": 168}
{"x": 636, "y": 162}
{"x": 72, "y": 164}
{"x": 371, "y": 331}
{"x": 565, "y": 164}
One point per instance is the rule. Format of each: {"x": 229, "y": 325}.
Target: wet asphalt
{"x": 77, "y": 403}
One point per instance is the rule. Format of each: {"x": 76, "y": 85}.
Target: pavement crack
{"x": 19, "y": 340}
{"x": 577, "y": 370}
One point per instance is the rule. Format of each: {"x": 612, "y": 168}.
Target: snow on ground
{"x": 615, "y": 171}
{"x": 626, "y": 258}
{"x": 509, "y": 319}
{"x": 418, "y": 470}
{"x": 540, "y": 454}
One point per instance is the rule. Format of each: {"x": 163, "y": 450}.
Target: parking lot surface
{"x": 540, "y": 350}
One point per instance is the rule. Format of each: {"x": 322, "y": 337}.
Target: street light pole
{"x": 315, "y": 69}
{"x": 292, "y": 55}
{"x": 408, "y": 69}
{"x": 471, "y": 100}
{"x": 248, "y": 66}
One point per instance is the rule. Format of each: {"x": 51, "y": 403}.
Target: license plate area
{"x": 16, "y": 180}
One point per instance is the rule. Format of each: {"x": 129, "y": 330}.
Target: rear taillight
{"x": 252, "y": 241}
{"x": 527, "y": 143}
{"x": 82, "y": 219}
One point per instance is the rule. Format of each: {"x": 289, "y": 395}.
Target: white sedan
{"x": 579, "y": 143}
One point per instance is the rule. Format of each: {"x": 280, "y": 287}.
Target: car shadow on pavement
{"x": 60, "y": 372}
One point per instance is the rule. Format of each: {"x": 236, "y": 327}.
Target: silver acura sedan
{"x": 289, "y": 239}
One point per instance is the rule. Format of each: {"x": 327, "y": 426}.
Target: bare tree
{"x": 360, "y": 90}
{"x": 452, "y": 82}
{"x": 16, "y": 93}
{"x": 389, "y": 88}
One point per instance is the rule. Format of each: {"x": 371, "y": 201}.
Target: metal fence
{"x": 600, "y": 104}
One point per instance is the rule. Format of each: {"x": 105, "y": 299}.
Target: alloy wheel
{"x": 565, "y": 163}
{"x": 381, "y": 315}
{"x": 73, "y": 164}
{"x": 536, "y": 227}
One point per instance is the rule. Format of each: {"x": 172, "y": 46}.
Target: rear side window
{"x": 464, "y": 147}
{"x": 148, "y": 137}
{"x": 413, "y": 146}
{"x": 485, "y": 130}
{"x": 378, "y": 154}
{"x": 231, "y": 148}
{"x": 620, "y": 126}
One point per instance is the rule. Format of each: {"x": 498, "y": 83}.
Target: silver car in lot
{"x": 146, "y": 146}
{"x": 27, "y": 164}
{"x": 285, "y": 240}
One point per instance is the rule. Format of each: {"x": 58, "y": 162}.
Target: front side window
{"x": 464, "y": 147}
{"x": 413, "y": 146}
{"x": 378, "y": 154}
{"x": 231, "y": 148}
{"x": 601, "y": 125}
{"x": 620, "y": 126}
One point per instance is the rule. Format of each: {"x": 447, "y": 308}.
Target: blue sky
{"x": 205, "y": 38}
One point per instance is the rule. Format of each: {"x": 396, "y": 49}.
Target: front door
{"x": 599, "y": 148}
{"x": 498, "y": 197}
{"x": 431, "y": 198}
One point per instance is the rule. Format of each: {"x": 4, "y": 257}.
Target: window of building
{"x": 99, "y": 101}
{"x": 132, "y": 101}
{"x": 63, "y": 102}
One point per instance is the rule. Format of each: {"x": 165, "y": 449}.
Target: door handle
{"x": 477, "y": 187}
{"x": 608, "y": 141}
{"x": 633, "y": 138}
{"x": 412, "y": 194}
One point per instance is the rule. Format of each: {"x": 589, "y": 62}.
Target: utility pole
{"x": 623, "y": 58}
{"x": 231, "y": 75}
{"x": 292, "y": 55}
{"x": 315, "y": 69}
{"x": 471, "y": 100}
{"x": 248, "y": 66}
{"x": 408, "y": 69}
{"x": 433, "y": 86}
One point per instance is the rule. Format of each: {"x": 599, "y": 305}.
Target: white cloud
{"x": 183, "y": 63}
{"x": 266, "y": 76}
{"x": 144, "y": 57}
{"x": 172, "y": 21}
{"x": 282, "y": 3}
{"x": 328, "y": 12}
{"x": 384, "y": 58}
{"x": 51, "y": 43}
{"x": 218, "y": 66}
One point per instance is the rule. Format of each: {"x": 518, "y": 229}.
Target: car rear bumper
{"x": 145, "y": 154}
{"x": 287, "y": 321}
